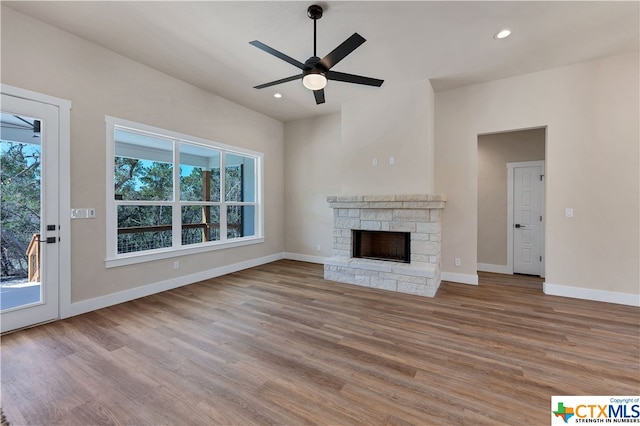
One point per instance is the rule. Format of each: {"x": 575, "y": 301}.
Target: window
{"x": 174, "y": 194}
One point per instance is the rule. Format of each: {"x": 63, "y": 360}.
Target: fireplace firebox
{"x": 382, "y": 245}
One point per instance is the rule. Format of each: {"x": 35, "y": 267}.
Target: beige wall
{"x": 332, "y": 155}
{"x": 592, "y": 165}
{"x": 494, "y": 152}
{"x": 396, "y": 122}
{"x": 313, "y": 170}
{"x": 99, "y": 82}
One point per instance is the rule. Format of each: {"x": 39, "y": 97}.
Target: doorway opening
{"x": 511, "y": 202}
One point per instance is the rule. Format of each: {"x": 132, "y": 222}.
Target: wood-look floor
{"x": 279, "y": 345}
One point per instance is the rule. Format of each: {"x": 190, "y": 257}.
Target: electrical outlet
{"x": 374, "y": 162}
{"x": 392, "y": 161}
{"x": 318, "y": 247}
{"x": 457, "y": 261}
{"x": 176, "y": 265}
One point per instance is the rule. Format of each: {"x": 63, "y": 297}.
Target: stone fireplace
{"x": 390, "y": 242}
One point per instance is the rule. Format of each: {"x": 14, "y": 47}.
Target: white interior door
{"x": 527, "y": 220}
{"x": 30, "y": 212}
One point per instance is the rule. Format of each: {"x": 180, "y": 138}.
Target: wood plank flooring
{"x": 279, "y": 345}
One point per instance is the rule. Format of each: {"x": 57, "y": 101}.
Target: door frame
{"x": 510, "y": 187}
{"x": 64, "y": 188}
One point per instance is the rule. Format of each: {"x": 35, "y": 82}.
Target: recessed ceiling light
{"x": 502, "y": 34}
{"x": 277, "y": 95}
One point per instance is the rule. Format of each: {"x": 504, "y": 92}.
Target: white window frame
{"x": 113, "y": 259}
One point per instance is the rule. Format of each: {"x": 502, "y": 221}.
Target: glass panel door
{"x": 29, "y": 212}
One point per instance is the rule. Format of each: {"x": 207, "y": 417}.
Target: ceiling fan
{"x": 316, "y": 71}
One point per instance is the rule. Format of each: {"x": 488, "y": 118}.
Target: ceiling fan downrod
{"x": 314, "y": 12}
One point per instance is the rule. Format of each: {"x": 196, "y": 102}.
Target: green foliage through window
{"x": 20, "y": 204}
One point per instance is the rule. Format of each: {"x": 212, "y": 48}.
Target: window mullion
{"x": 258, "y": 201}
{"x": 176, "y": 211}
{"x": 112, "y": 208}
{"x": 223, "y": 199}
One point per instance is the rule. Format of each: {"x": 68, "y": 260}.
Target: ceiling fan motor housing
{"x": 313, "y": 65}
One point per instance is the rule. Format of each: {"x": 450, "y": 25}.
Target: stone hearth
{"x": 420, "y": 215}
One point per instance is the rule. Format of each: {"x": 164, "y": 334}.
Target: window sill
{"x": 151, "y": 255}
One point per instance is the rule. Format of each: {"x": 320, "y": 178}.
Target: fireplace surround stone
{"x": 420, "y": 215}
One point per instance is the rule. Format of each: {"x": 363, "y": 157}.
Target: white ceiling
{"x": 206, "y": 43}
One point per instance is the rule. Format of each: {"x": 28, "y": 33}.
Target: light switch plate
{"x": 568, "y": 212}
{"x": 84, "y": 213}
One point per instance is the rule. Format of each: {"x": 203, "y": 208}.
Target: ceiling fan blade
{"x": 282, "y": 80}
{"x": 352, "y": 78}
{"x": 277, "y": 54}
{"x": 340, "y": 52}
{"x": 319, "y": 94}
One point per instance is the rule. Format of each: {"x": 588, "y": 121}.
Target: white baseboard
{"x": 590, "y": 294}
{"x": 459, "y": 278}
{"x": 497, "y": 269}
{"x": 304, "y": 257}
{"x": 89, "y": 305}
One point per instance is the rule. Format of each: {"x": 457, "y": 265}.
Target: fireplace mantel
{"x": 420, "y": 215}
{"x": 420, "y": 201}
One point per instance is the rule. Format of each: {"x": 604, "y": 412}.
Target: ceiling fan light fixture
{"x": 314, "y": 81}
